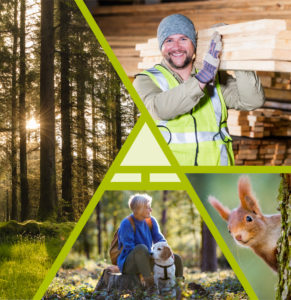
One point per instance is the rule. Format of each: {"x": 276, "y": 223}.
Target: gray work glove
{"x": 211, "y": 60}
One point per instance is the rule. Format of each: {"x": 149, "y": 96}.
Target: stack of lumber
{"x": 277, "y": 88}
{"x": 259, "y": 123}
{"x": 126, "y": 25}
{"x": 275, "y": 81}
{"x": 262, "y": 45}
{"x": 259, "y": 152}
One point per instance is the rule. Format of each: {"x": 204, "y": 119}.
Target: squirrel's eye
{"x": 249, "y": 219}
{"x": 229, "y": 231}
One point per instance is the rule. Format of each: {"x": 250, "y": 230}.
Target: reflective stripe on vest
{"x": 163, "y": 83}
{"x": 200, "y": 136}
{"x": 189, "y": 137}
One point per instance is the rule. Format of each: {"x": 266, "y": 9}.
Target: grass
{"x": 26, "y": 256}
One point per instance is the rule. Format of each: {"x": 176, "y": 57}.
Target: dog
{"x": 164, "y": 268}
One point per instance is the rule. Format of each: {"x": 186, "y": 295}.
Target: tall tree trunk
{"x": 7, "y": 207}
{"x": 106, "y": 241}
{"x": 95, "y": 169}
{"x": 67, "y": 159}
{"x": 108, "y": 114}
{"x": 22, "y": 118}
{"x": 95, "y": 175}
{"x": 208, "y": 251}
{"x": 14, "y": 213}
{"x": 99, "y": 227}
{"x": 81, "y": 130}
{"x": 117, "y": 104}
{"x": 164, "y": 213}
{"x": 48, "y": 195}
{"x": 283, "y": 291}
{"x": 135, "y": 113}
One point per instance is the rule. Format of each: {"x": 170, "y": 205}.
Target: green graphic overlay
{"x": 145, "y": 162}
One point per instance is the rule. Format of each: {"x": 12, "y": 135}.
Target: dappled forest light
{"x": 181, "y": 225}
{"x": 175, "y": 212}
{"x": 64, "y": 112}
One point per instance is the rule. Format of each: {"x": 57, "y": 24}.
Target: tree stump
{"x": 123, "y": 282}
{"x": 111, "y": 279}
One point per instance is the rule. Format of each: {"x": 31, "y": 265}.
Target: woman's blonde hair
{"x": 138, "y": 200}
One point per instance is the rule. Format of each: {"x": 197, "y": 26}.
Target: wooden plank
{"x": 248, "y": 65}
{"x": 253, "y": 54}
{"x": 284, "y": 95}
{"x": 178, "y": 6}
{"x": 276, "y": 25}
{"x": 265, "y": 65}
{"x": 229, "y": 44}
{"x": 123, "y": 52}
{"x": 245, "y": 44}
{"x": 277, "y": 104}
{"x": 243, "y": 52}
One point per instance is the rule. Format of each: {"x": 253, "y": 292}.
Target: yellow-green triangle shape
{"x": 145, "y": 151}
{"x": 120, "y": 165}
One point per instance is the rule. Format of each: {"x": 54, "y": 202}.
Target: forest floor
{"x": 27, "y": 251}
{"x": 79, "y": 283}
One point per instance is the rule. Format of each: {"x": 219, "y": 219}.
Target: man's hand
{"x": 211, "y": 60}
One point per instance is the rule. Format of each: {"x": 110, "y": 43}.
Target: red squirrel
{"x": 249, "y": 226}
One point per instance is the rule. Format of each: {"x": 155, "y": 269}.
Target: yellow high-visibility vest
{"x": 199, "y": 137}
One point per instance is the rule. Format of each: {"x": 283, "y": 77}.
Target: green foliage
{"x": 23, "y": 266}
{"x": 27, "y": 251}
{"x": 11, "y": 230}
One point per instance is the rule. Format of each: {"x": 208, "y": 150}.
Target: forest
{"x": 206, "y": 270}
{"x": 64, "y": 111}
{"x": 64, "y": 115}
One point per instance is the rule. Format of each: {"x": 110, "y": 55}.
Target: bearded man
{"x": 190, "y": 106}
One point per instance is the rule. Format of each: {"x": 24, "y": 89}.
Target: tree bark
{"x": 24, "y": 189}
{"x": 48, "y": 195}
{"x": 283, "y": 291}
{"x": 135, "y": 113}
{"x": 117, "y": 95}
{"x": 67, "y": 159}
{"x": 164, "y": 213}
{"x": 95, "y": 174}
{"x": 99, "y": 227}
{"x": 95, "y": 169}
{"x": 81, "y": 129}
{"x": 14, "y": 212}
{"x": 208, "y": 251}
{"x": 7, "y": 207}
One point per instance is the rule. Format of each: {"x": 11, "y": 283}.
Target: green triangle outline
{"x": 107, "y": 185}
{"x": 144, "y": 113}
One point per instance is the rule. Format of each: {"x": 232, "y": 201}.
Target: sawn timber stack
{"x": 262, "y": 45}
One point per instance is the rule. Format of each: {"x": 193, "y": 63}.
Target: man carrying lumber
{"x": 189, "y": 105}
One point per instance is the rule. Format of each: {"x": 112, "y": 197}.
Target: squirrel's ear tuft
{"x": 247, "y": 199}
{"x": 222, "y": 210}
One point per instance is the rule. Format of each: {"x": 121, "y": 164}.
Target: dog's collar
{"x": 165, "y": 270}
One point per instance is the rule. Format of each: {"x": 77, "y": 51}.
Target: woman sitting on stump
{"x": 136, "y": 235}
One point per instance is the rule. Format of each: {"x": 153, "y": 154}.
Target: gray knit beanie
{"x": 176, "y": 24}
